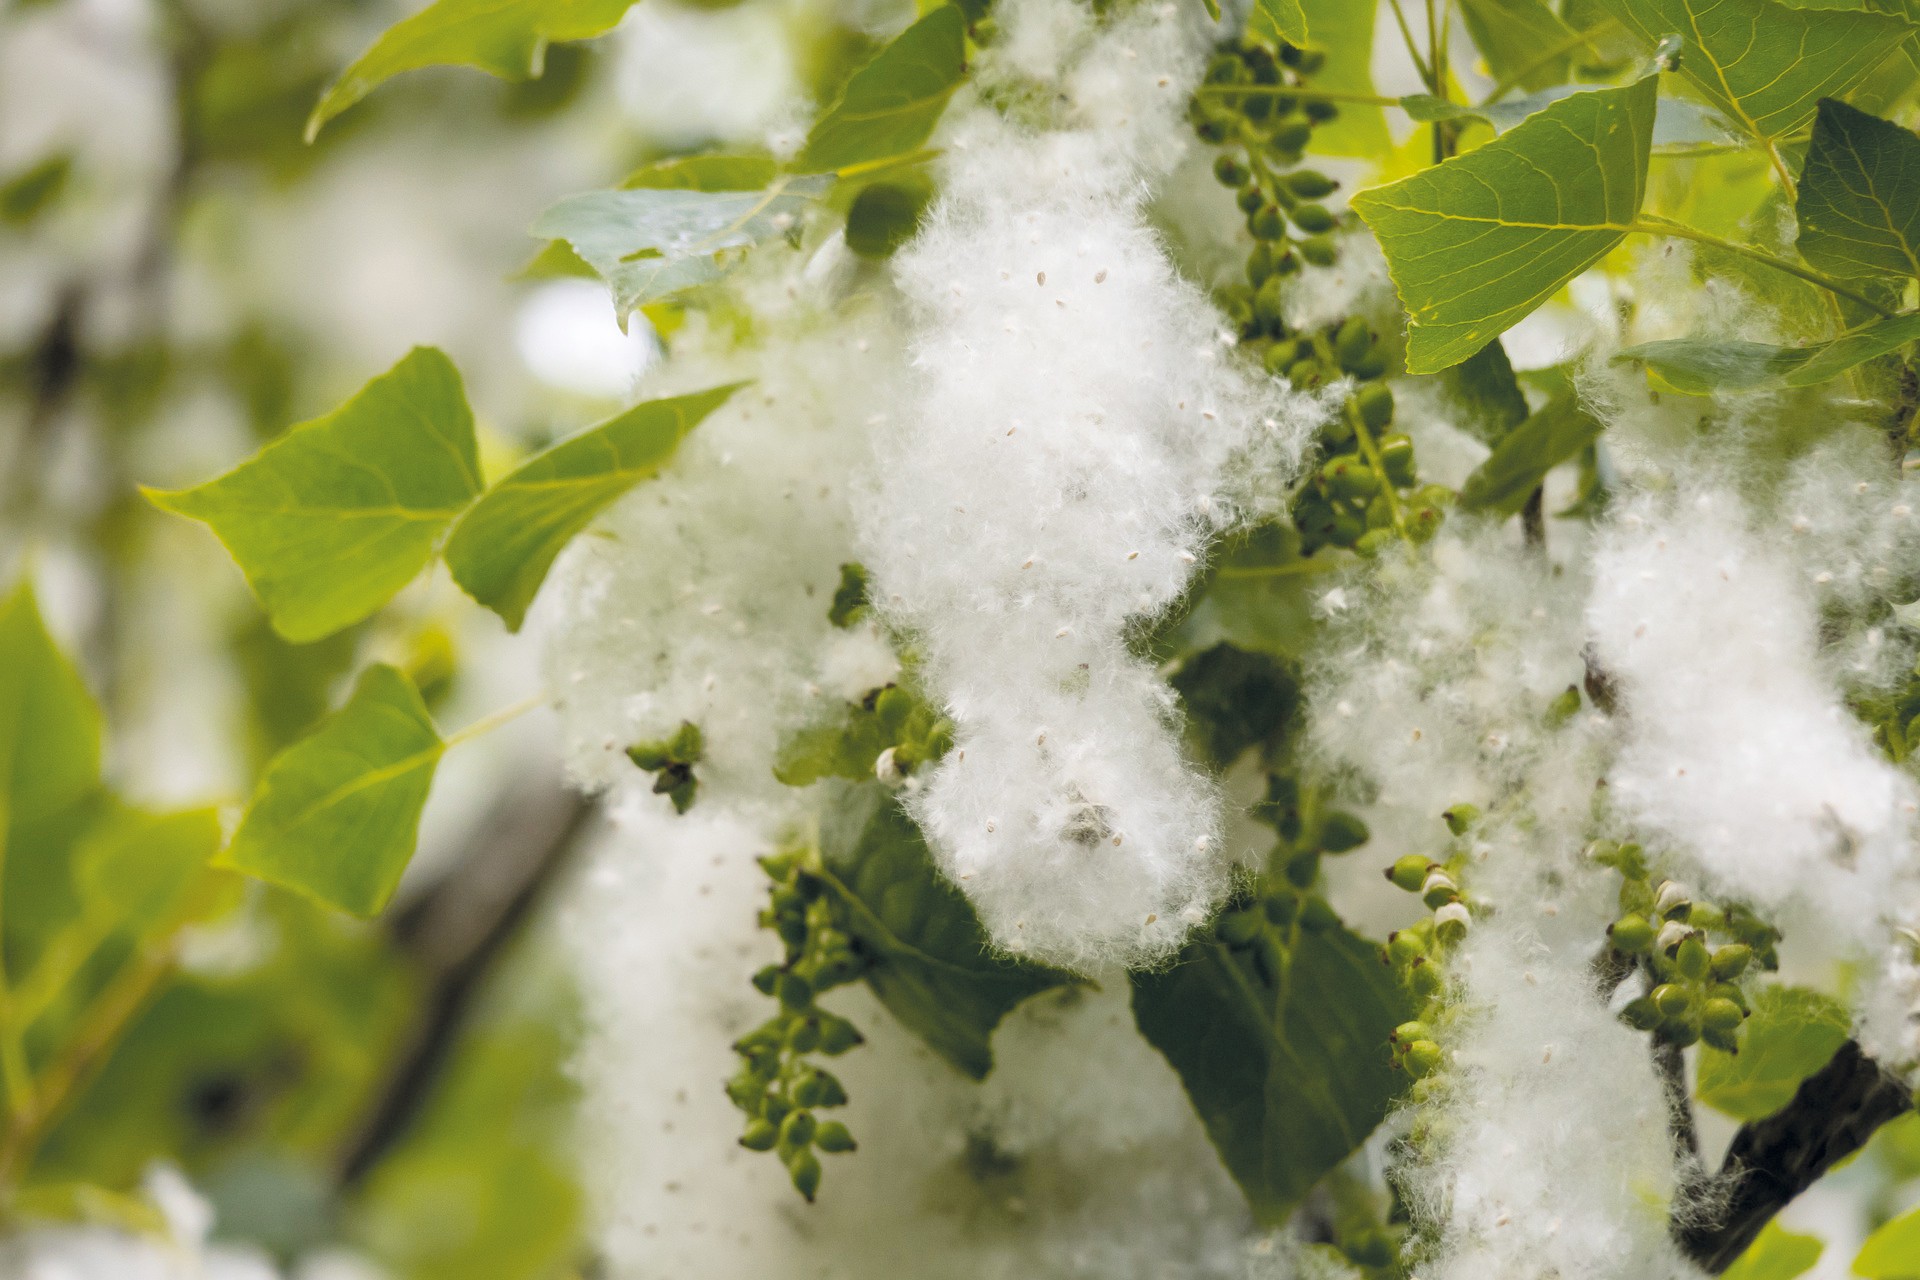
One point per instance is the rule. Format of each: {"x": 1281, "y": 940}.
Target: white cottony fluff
{"x": 1074, "y": 435}
{"x": 1739, "y": 752}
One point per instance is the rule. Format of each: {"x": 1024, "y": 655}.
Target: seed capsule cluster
{"x": 1418, "y": 952}
{"x": 777, "y": 1087}
{"x": 673, "y": 760}
{"x": 1368, "y": 492}
{"x": 1265, "y": 911}
{"x": 1692, "y": 952}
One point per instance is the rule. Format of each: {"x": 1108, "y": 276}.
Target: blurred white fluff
{"x": 1739, "y": 752}
{"x": 1073, "y": 435}
{"x": 1079, "y": 1157}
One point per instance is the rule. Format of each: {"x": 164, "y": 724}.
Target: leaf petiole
{"x": 1654, "y": 225}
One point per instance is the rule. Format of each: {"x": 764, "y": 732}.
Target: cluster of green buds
{"x": 672, "y": 759}
{"x": 1265, "y": 909}
{"x": 777, "y": 1086}
{"x": 1418, "y": 952}
{"x": 1692, "y": 952}
{"x": 1255, "y": 106}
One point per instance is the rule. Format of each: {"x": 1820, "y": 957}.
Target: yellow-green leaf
{"x": 1477, "y": 243}
{"x": 1763, "y": 63}
{"x": 714, "y": 171}
{"x": 1793, "y": 1033}
{"x": 337, "y": 514}
{"x": 1776, "y": 1254}
{"x": 503, "y": 546}
{"x": 137, "y": 865}
{"x": 336, "y": 815}
{"x": 1522, "y": 458}
{"x": 49, "y": 725}
{"x": 1343, "y": 31}
{"x": 1859, "y": 202}
{"x": 506, "y": 38}
{"x": 1514, "y": 35}
{"x": 1892, "y": 1252}
{"x": 890, "y": 105}
{"x": 1289, "y": 19}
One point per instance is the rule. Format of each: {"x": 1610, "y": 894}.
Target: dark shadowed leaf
{"x": 1859, "y": 203}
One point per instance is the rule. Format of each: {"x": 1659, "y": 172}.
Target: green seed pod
{"x": 1260, "y": 264}
{"x": 1351, "y": 480}
{"x": 804, "y": 1168}
{"x": 1319, "y": 250}
{"x": 1425, "y": 978}
{"x": 1720, "y": 1015}
{"x": 1347, "y": 529}
{"x": 833, "y": 1137}
{"x": 1641, "y": 1014}
{"x": 1303, "y": 869}
{"x": 1374, "y": 403}
{"x": 1450, "y": 923}
{"x": 1290, "y": 133}
{"x": 1379, "y": 514}
{"x": 1396, "y": 455}
{"x": 1265, "y": 223}
{"x": 1678, "y": 1034}
{"x": 1310, "y": 184}
{"x": 1631, "y": 934}
{"x": 1318, "y": 112}
{"x": 1404, "y": 947}
{"x": 1268, "y": 310}
{"x": 1251, "y": 198}
{"x": 1672, "y": 1000}
{"x": 1238, "y": 928}
{"x": 1224, "y": 68}
{"x": 1316, "y": 915}
{"x": 1727, "y": 991}
{"x": 1407, "y": 1032}
{"x": 795, "y": 991}
{"x": 807, "y": 1091}
{"x": 1461, "y": 817}
{"x": 1305, "y": 374}
{"x": 1692, "y": 959}
{"x": 1564, "y": 707}
{"x": 1282, "y": 909}
{"x": 1312, "y": 62}
{"x": 1282, "y": 356}
{"x": 760, "y": 1135}
{"x": 1723, "y": 1040}
{"x": 1268, "y": 959}
{"x": 837, "y": 1035}
{"x": 1237, "y": 301}
{"x": 796, "y": 1130}
{"x": 1422, "y": 1058}
{"x": 1368, "y": 1247}
{"x": 1409, "y": 871}
{"x": 1672, "y": 900}
{"x": 1730, "y": 961}
{"x": 1229, "y": 171}
{"x": 1374, "y": 541}
{"x": 1312, "y": 218}
{"x": 805, "y": 1036}
{"x": 764, "y": 980}
{"x": 1352, "y": 339}
{"x": 1423, "y": 522}
{"x": 1341, "y": 831}
{"x": 1438, "y": 889}
{"x": 832, "y": 1092}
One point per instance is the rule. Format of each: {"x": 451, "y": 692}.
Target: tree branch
{"x": 1834, "y": 1113}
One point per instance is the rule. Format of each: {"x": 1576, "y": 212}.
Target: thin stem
{"x": 1292, "y": 568}
{"x": 488, "y": 723}
{"x": 60, "y": 960}
{"x": 1780, "y": 168}
{"x": 1650, "y": 224}
{"x": 1413, "y": 46}
{"x": 1437, "y": 82}
{"x": 1516, "y": 79}
{"x": 1372, "y": 453}
{"x": 1292, "y": 91}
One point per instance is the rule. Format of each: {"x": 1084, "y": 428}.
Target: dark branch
{"x": 454, "y": 932}
{"x": 1834, "y": 1113}
{"x": 1670, "y": 1063}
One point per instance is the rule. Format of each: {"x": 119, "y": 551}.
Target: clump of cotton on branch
{"x": 1075, "y": 433}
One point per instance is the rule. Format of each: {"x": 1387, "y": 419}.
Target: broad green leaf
{"x": 1343, "y": 31}
{"x": 1859, "y": 203}
{"x": 336, "y": 815}
{"x": 1792, "y": 1034}
{"x": 1776, "y": 1254}
{"x": 137, "y": 866}
{"x": 1892, "y": 1252}
{"x": 890, "y": 105}
{"x": 49, "y": 724}
{"x": 1702, "y": 366}
{"x": 1477, "y": 243}
{"x": 1291, "y": 1075}
{"x": 502, "y": 547}
{"x": 1513, "y": 36}
{"x": 885, "y": 215}
{"x": 648, "y": 243}
{"x": 717, "y": 171}
{"x": 1522, "y": 460}
{"x": 506, "y": 38}
{"x": 332, "y": 518}
{"x": 1763, "y": 63}
{"x": 1289, "y": 19}
{"x": 930, "y": 964}
{"x": 1486, "y": 394}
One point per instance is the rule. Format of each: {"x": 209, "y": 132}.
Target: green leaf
{"x": 1776, "y": 1254}
{"x": 1477, "y": 243}
{"x": 717, "y": 171}
{"x": 336, "y": 815}
{"x": 1859, "y": 202}
{"x": 1520, "y": 462}
{"x": 137, "y": 866}
{"x": 1487, "y": 395}
{"x": 502, "y": 547}
{"x": 506, "y": 38}
{"x": 49, "y": 725}
{"x": 31, "y": 191}
{"x": 930, "y": 963}
{"x": 1703, "y": 366}
{"x": 1235, "y": 699}
{"x": 1792, "y": 1034}
{"x": 1291, "y": 1075}
{"x": 1513, "y": 34}
{"x": 1289, "y": 19}
{"x": 1763, "y": 63}
{"x": 649, "y": 243}
{"x": 1343, "y": 31}
{"x": 1892, "y": 1252}
{"x": 890, "y": 105}
{"x": 336, "y": 515}
{"x": 885, "y": 215}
